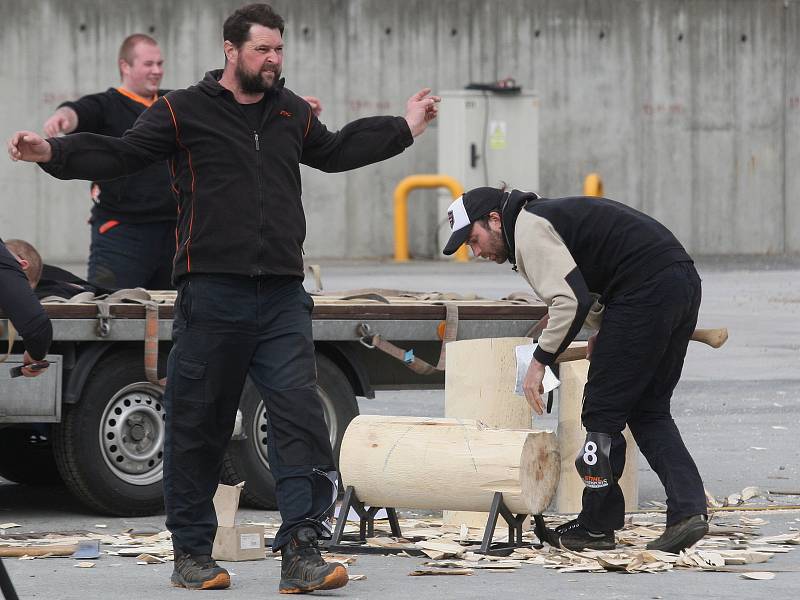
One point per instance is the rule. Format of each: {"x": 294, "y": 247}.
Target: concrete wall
{"x": 690, "y": 109}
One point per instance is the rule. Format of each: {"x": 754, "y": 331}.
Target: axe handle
{"x": 53, "y": 549}
{"x": 713, "y": 337}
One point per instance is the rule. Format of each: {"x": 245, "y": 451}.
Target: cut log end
{"x": 539, "y": 471}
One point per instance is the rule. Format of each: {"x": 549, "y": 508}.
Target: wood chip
{"x": 751, "y": 492}
{"x": 9, "y": 525}
{"x": 437, "y": 546}
{"x": 421, "y": 572}
{"x": 84, "y": 565}
{"x": 759, "y": 575}
{"x": 358, "y": 577}
{"x": 149, "y": 559}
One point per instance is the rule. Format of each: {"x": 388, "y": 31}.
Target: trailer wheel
{"x": 109, "y": 446}
{"x": 26, "y": 455}
{"x": 247, "y": 459}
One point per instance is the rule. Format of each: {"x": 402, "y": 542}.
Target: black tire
{"x": 109, "y": 446}
{"x": 246, "y": 458}
{"x": 26, "y": 456}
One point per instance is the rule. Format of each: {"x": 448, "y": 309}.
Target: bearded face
{"x": 258, "y": 80}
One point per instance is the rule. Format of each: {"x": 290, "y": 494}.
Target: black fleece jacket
{"x": 239, "y": 190}
{"x": 144, "y": 197}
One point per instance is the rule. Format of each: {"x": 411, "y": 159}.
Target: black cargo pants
{"x": 635, "y": 367}
{"x": 226, "y": 327}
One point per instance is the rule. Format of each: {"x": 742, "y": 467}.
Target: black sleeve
{"x": 91, "y": 112}
{"x": 361, "y": 142}
{"x": 100, "y": 157}
{"x": 19, "y": 304}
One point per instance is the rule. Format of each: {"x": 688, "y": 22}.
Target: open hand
{"x": 30, "y": 147}
{"x": 64, "y": 120}
{"x": 532, "y": 386}
{"x": 421, "y": 109}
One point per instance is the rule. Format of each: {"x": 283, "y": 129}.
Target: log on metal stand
{"x": 437, "y": 464}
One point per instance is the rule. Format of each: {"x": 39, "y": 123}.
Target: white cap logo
{"x": 457, "y": 214}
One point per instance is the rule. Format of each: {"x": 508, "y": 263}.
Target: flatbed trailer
{"x": 94, "y": 420}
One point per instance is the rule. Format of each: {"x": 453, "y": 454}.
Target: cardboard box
{"x": 235, "y": 542}
{"x": 241, "y": 542}
{"x": 226, "y": 503}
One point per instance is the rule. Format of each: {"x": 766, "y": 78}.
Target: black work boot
{"x": 682, "y": 535}
{"x": 574, "y": 536}
{"x": 302, "y": 567}
{"x": 200, "y": 572}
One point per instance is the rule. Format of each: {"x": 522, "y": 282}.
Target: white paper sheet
{"x": 524, "y": 357}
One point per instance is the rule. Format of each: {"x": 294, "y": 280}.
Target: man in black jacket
{"x": 18, "y": 303}
{"x": 600, "y": 263}
{"x": 23, "y": 309}
{"x": 133, "y": 217}
{"x": 234, "y": 143}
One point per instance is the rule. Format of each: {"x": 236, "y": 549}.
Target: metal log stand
{"x": 340, "y": 542}
{"x": 366, "y": 521}
{"x": 514, "y": 522}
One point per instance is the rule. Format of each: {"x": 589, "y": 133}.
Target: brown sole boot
{"x": 219, "y": 582}
{"x": 333, "y": 580}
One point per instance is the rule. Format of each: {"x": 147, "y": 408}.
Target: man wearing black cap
{"x": 594, "y": 261}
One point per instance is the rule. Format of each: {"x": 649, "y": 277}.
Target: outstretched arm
{"x": 369, "y": 140}
{"x": 100, "y": 157}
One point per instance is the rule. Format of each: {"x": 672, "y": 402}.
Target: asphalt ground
{"x": 738, "y": 409}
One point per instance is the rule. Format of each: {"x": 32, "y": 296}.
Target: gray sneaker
{"x": 682, "y": 535}
{"x": 199, "y": 572}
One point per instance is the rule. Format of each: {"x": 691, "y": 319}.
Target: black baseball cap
{"x": 464, "y": 211}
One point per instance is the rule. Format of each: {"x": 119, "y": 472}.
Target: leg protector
{"x": 594, "y": 462}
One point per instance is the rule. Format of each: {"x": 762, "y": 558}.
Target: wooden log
{"x": 436, "y": 464}
{"x": 479, "y": 384}
{"x": 571, "y": 436}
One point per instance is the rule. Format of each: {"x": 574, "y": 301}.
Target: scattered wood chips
{"x": 732, "y": 544}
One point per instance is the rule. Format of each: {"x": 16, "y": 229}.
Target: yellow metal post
{"x": 593, "y": 185}
{"x": 406, "y": 185}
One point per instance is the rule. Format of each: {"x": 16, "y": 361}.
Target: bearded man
{"x": 234, "y": 143}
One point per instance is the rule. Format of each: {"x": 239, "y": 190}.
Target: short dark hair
{"x": 26, "y": 251}
{"x": 129, "y": 43}
{"x": 236, "y": 29}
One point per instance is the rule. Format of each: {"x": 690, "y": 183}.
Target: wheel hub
{"x": 132, "y": 434}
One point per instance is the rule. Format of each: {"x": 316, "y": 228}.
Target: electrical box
{"x": 486, "y": 138}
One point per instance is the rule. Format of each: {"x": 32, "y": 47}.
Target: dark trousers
{"x": 635, "y": 366}
{"x": 129, "y": 255}
{"x": 226, "y": 327}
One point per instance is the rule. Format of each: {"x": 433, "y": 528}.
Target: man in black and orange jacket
{"x": 234, "y": 143}
{"x": 133, "y": 217}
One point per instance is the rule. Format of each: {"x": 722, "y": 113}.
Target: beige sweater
{"x": 544, "y": 261}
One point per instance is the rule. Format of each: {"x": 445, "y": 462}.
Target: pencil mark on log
{"x": 389, "y": 454}
{"x": 466, "y": 441}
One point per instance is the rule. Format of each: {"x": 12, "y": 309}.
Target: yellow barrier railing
{"x": 593, "y": 185}
{"x": 406, "y": 186}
